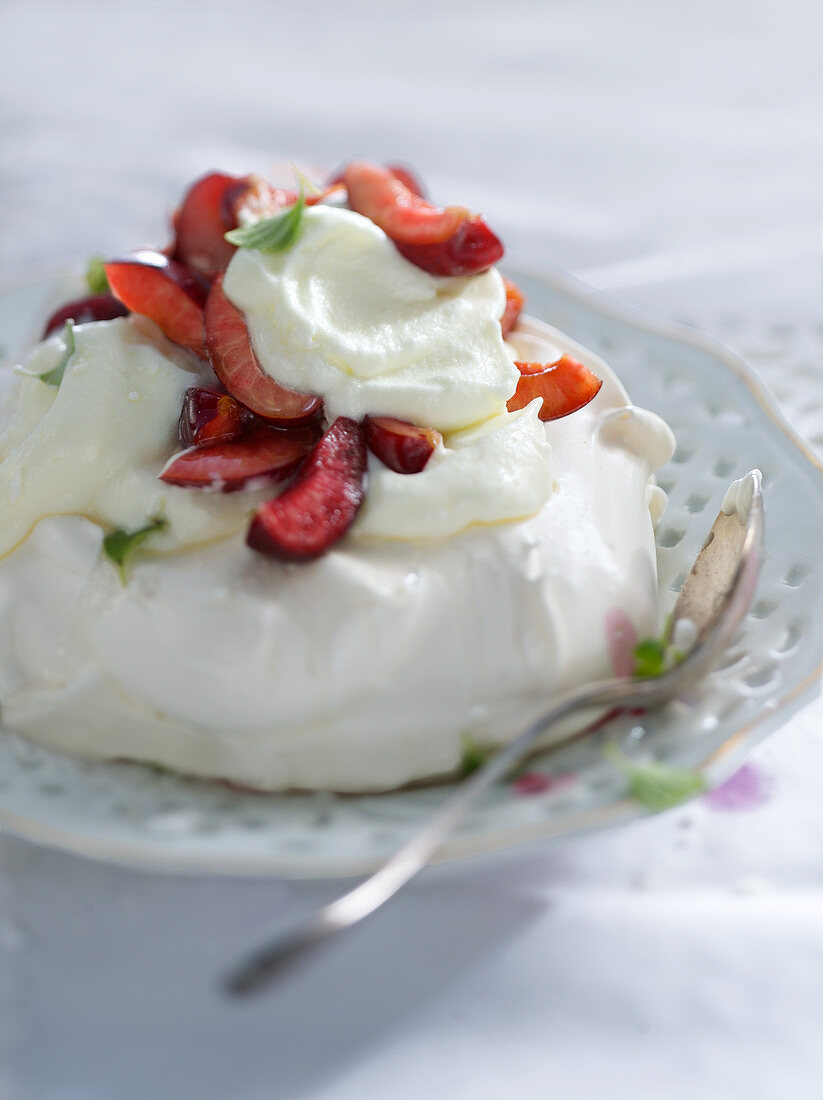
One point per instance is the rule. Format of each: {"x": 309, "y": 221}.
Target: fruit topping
{"x": 319, "y": 507}
{"x": 565, "y": 387}
{"x": 203, "y": 217}
{"x": 269, "y": 456}
{"x": 235, "y": 364}
{"x": 409, "y": 178}
{"x": 402, "y": 446}
{"x": 256, "y": 197}
{"x": 94, "y": 307}
{"x": 403, "y": 215}
{"x": 209, "y": 416}
{"x": 169, "y": 292}
{"x": 473, "y": 248}
{"x": 515, "y": 301}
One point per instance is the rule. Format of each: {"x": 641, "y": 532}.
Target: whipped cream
{"x": 95, "y": 446}
{"x": 342, "y": 314}
{"x": 362, "y": 670}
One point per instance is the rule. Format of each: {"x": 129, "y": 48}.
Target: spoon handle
{"x": 271, "y": 960}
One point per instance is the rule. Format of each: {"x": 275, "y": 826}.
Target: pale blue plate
{"x": 725, "y": 424}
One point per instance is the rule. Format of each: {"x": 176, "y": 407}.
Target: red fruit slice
{"x": 269, "y": 456}
{"x": 405, "y": 175}
{"x": 200, "y": 223}
{"x": 515, "y": 301}
{"x": 169, "y": 292}
{"x": 327, "y": 192}
{"x": 316, "y": 511}
{"x": 235, "y": 364}
{"x": 94, "y": 307}
{"x": 255, "y": 195}
{"x": 565, "y": 387}
{"x": 473, "y": 248}
{"x": 403, "y": 447}
{"x": 404, "y": 216}
{"x": 209, "y": 417}
{"x": 409, "y": 178}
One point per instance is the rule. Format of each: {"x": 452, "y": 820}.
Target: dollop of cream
{"x": 342, "y": 314}
{"x": 739, "y": 496}
{"x": 496, "y": 472}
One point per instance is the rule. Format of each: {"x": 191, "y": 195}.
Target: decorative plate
{"x": 725, "y": 424}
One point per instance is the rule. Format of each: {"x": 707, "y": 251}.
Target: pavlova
{"x": 303, "y": 500}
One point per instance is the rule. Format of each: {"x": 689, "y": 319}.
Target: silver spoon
{"x": 715, "y": 598}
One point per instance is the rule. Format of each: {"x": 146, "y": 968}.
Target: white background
{"x": 669, "y": 153}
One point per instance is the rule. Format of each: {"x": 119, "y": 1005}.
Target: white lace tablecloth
{"x": 669, "y": 154}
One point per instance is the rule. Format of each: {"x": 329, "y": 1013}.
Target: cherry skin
{"x": 319, "y": 507}
{"x": 269, "y": 456}
{"x": 515, "y": 300}
{"x": 403, "y": 215}
{"x": 402, "y": 446}
{"x": 235, "y": 364}
{"x": 209, "y": 416}
{"x": 94, "y": 307}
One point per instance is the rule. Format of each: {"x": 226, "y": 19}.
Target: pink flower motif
{"x": 530, "y": 783}
{"x": 747, "y": 789}
{"x": 622, "y": 640}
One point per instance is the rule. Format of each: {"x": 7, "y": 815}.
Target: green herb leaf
{"x": 649, "y": 657}
{"x": 272, "y": 234}
{"x": 54, "y": 376}
{"x": 657, "y": 786}
{"x": 473, "y": 756}
{"x": 120, "y": 545}
{"x": 96, "y": 278}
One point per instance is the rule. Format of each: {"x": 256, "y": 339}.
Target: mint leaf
{"x": 119, "y": 545}
{"x": 273, "y": 234}
{"x": 96, "y": 278}
{"x": 473, "y": 756}
{"x": 657, "y": 786}
{"x": 54, "y": 376}
{"x": 649, "y": 657}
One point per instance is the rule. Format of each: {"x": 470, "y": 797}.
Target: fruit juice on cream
{"x": 308, "y": 517}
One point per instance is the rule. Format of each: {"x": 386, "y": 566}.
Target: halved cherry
{"x": 94, "y": 307}
{"x": 209, "y": 416}
{"x": 169, "y": 292}
{"x": 270, "y": 456}
{"x": 257, "y": 197}
{"x": 473, "y": 248}
{"x": 405, "y": 175}
{"x": 565, "y": 387}
{"x": 403, "y": 215}
{"x": 235, "y": 364}
{"x": 319, "y": 507}
{"x": 200, "y": 223}
{"x": 515, "y": 300}
{"x": 409, "y": 178}
{"x": 402, "y": 446}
